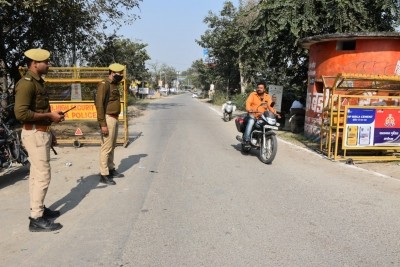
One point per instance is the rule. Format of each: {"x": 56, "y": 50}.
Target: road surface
{"x": 190, "y": 198}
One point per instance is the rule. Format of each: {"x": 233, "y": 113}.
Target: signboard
{"x": 371, "y": 126}
{"x": 276, "y": 91}
{"x": 144, "y": 91}
{"x": 76, "y": 91}
{"x": 83, "y": 111}
{"x": 206, "y": 57}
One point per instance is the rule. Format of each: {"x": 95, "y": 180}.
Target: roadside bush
{"x": 132, "y": 100}
{"x": 219, "y": 98}
{"x": 239, "y": 100}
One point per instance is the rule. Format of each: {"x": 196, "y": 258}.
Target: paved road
{"x": 190, "y": 198}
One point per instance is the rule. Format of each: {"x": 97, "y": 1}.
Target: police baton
{"x": 52, "y": 148}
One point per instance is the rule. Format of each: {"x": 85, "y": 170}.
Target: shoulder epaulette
{"x": 28, "y": 78}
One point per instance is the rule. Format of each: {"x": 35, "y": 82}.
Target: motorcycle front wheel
{"x": 268, "y": 149}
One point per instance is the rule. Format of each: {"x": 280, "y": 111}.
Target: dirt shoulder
{"x": 385, "y": 168}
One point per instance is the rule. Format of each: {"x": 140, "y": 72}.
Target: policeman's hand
{"x": 104, "y": 130}
{"x": 57, "y": 116}
{"x": 278, "y": 116}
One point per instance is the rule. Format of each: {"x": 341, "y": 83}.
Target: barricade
{"x": 361, "y": 118}
{"x": 76, "y": 86}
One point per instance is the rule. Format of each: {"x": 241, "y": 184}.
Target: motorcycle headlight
{"x": 271, "y": 121}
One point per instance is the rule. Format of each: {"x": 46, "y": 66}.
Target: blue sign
{"x": 360, "y": 116}
{"x": 206, "y": 57}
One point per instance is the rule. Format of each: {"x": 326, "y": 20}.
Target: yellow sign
{"x": 83, "y": 111}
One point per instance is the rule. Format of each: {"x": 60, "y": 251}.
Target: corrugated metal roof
{"x": 308, "y": 41}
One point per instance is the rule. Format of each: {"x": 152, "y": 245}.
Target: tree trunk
{"x": 243, "y": 83}
{"x": 3, "y": 85}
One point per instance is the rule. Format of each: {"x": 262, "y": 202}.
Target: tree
{"x": 125, "y": 52}
{"x": 262, "y": 40}
{"x": 271, "y": 46}
{"x": 221, "y": 39}
{"x": 69, "y": 34}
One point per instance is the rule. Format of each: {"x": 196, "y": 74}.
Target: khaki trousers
{"x": 108, "y": 146}
{"x": 37, "y": 144}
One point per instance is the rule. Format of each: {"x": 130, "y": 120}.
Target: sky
{"x": 170, "y": 28}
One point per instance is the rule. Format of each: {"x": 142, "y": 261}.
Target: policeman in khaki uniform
{"x": 33, "y": 109}
{"x": 108, "y": 107}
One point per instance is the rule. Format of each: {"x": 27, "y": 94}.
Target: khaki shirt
{"x": 31, "y": 97}
{"x": 113, "y": 105}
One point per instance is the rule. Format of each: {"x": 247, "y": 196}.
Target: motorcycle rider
{"x": 228, "y": 107}
{"x": 297, "y": 103}
{"x": 255, "y": 108}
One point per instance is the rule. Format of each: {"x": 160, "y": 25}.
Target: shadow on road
{"x": 128, "y": 162}
{"x": 252, "y": 152}
{"x": 156, "y": 106}
{"x": 75, "y": 196}
{"x": 13, "y": 175}
{"x": 87, "y": 184}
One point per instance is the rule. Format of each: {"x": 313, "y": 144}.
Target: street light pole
{"x": 177, "y": 80}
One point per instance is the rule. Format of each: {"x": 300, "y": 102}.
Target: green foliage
{"x": 240, "y": 101}
{"x": 222, "y": 41}
{"x": 125, "y": 52}
{"x": 132, "y": 100}
{"x": 219, "y": 98}
{"x": 68, "y": 29}
{"x": 262, "y": 40}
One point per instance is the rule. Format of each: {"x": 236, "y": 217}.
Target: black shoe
{"x": 42, "y": 224}
{"x": 115, "y": 174}
{"x": 48, "y": 213}
{"x": 107, "y": 179}
{"x": 246, "y": 143}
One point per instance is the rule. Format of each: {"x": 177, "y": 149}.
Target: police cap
{"x": 37, "y": 54}
{"x": 115, "y": 67}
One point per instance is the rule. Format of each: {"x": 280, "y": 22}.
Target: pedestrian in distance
{"x": 108, "y": 107}
{"x": 32, "y": 108}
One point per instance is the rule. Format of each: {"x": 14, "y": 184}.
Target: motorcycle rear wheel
{"x": 268, "y": 149}
{"x": 226, "y": 117}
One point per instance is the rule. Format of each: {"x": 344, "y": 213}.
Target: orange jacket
{"x": 254, "y": 101}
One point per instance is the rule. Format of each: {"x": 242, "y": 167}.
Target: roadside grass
{"x": 298, "y": 139}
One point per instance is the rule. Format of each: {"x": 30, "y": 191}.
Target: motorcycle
{"x": 296, "y": 121}
{"x": 262, "y": 136}
{"x": 228, "y": 108}
{"x": 11, "y": 149}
